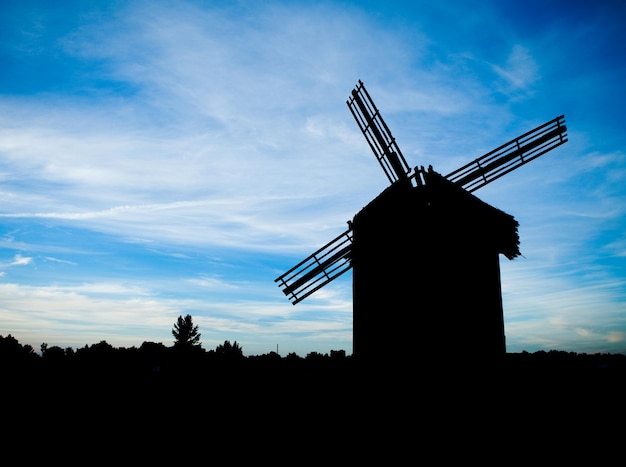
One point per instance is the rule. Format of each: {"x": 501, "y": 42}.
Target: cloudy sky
{"x": 166, "y": 158}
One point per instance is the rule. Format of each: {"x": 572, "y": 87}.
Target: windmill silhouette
{"x": 425, "y": 252}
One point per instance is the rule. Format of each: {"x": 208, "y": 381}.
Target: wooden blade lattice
{"x": 377, "y": 134}
{"x": 510, "y": 156}
{"x": 317, "y": 270}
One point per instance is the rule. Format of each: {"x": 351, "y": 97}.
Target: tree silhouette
{"x": 186, "y": 333}
{"x": 228, "y": 350}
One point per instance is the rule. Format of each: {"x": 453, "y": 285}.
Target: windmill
{"x": 425, "y": 252}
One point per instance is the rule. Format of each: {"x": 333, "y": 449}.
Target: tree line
{"x": 149, "y": 358}
{"x": 152, "y": 359}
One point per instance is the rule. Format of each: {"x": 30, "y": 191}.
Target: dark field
{"x": 128, "y": 408}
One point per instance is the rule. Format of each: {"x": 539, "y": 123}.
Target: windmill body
{"x": 426, "y": 272}
{"x": 425, "y": 252}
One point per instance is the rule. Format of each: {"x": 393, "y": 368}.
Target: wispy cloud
{"x": 519, "y": 72}
{"x": 127, "y": 316}
{"x": 557, "y": 312}
{"x": 211, "y": 283}
{"x": 215, "y": 137}
{"x": 18, "y": 260}
{"x": 57, "y": 260}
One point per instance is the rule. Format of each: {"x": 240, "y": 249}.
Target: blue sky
{"x": 163, "y": 158}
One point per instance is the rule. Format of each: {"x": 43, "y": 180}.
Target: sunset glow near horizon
{"x": 164, "y": 158}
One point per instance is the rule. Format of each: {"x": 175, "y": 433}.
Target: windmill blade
{"x": 317, "y": 270}
{"x": 511, "y": 155}
{"x": 377, "y": 134}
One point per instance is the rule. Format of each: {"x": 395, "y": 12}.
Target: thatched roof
{"x": 489, "y": 225}
{"x": 440, "y": 214}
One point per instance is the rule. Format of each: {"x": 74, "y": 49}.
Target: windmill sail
{"x": 317, "y": 270}
{"x": 510, "y": 156}
{"x": 377, "y": 134}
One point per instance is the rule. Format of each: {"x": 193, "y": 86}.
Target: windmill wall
{"x": 426, "y": 272}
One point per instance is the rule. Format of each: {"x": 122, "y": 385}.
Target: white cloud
{"x": 236, "y": 132}
{"x": 211, "y": 283}
{"x": 519, "y": 72}
{"x": 18, "y": 260}
{"x": 57, "y": 260}
{"x": 559, "y": 313}
{"x": 127, "y": 315}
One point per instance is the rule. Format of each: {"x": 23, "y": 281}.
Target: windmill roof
{"x": 443, "y": 213}
{"x": 494, "y": 225}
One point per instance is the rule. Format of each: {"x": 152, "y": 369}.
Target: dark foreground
{"x": 329, "y": 410}
{"x": 78, "y": 387}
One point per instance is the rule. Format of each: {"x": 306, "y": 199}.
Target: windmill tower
{"x": 425, "y": 251}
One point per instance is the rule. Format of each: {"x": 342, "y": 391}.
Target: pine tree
{"x": 185, "y": 333}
